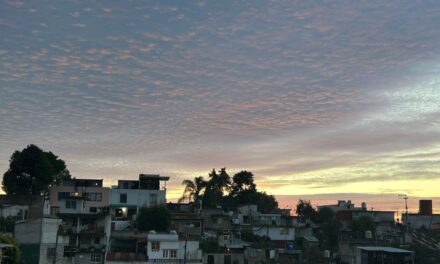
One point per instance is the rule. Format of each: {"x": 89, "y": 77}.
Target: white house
{"x": 164, "y": 247}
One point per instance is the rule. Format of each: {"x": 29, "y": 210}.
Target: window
{"x": 169, "y": 253}
{"x": 95, "y": 197}
{"x": 210, "y": 259}
{"x": 153, "y": 199}
{"x": 50, "y": 252}
{"x": 93, "y": 210}
{"x": 97, "y": 240}
{"x": 123, "y": 198}
{"x": 155, "y": 245}
{"x": 63, "y": 195}
{"x": 70, "y": 204}
{"x": 85, "y": 194}
{"x": 95, "y": 258}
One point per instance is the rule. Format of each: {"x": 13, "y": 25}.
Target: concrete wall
{"x": 13, "y": 210}
{"x": 171, "y": 241}
{"x": 276, "y": 233}
{"x": 136, "y": 197}
{"x": 419, "y": 221}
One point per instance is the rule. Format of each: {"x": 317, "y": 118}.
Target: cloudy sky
{"x": 314, "y": 97}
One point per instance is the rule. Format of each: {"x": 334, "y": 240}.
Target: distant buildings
{"x": 84, "y": 222}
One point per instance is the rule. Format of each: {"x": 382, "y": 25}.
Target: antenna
{"x": 405, "y": 197}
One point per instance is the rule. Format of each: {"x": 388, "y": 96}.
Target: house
{"x": 382, "y": 255}
{"x": 130, "y": 195}
{"x": 40, "y": 241}
{"x": 21, "y": 207}
{"x": 125, "y": 242}
{"x": 96, "y": 196}
{"x": 155, "y": 247}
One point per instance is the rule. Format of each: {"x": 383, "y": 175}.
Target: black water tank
{"x": 425, "y": 207}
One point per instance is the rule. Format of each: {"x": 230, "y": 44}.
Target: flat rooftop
{"x": 385, "y": 249}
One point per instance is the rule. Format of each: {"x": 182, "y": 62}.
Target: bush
{"x": 10, "y": 255}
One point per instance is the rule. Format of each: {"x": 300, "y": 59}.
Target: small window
{"x": 93, "y": 210}
{"x": 97, "y": 240}
{"x": 173, "y": 253}
{"x": 95, "y": 258}
{"x": 95, "y": 197}
{"x": 63, "y": 195}
{"x": 123, "y": 198}
{"x": 155, "y": 245}
{"x": 70, "y": 204}
{"x": 210, "y": 259}
{"x": 153, "y": 199}
{"x": 50, "y": 252}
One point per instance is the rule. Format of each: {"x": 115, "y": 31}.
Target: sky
{"x": 313, "y": 97}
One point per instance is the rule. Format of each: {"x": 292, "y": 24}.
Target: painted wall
{"x": 141, "y": 198}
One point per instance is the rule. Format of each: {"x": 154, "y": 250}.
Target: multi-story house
{"x": 92, "y": 189}
{"x": 126, "y": 243}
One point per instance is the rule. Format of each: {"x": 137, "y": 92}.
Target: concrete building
{"x": 96, "y": 195}
{"x": 231, "y": 257}
{"x": 424, "y": 219}
{"x": 38, "y": 240}
{"x": 130, "y": 195}
{"x": 382, "y": 255}
{"x": 21, "y": 207}
{"x": 158, "y": 248}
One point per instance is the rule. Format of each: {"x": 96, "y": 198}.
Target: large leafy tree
{"x": 242, "y": 181}
{"x": 33, "y": 171}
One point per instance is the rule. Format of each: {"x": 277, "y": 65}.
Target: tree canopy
{"x": 222, "y": 190}
{"x": 305, "y": 211}
{"x": 156, "y": 218}
{"x": 32, "y": 171}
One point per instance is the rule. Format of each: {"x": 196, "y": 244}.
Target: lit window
{"x": 95, "y": 258}
{"x": 155, "y": 245}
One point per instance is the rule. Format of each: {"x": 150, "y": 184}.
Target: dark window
{"x": 93, "y": 210}
{"x": 70, "y": 204}
{"x": 210, "y": 259}
{"x": 97, "y": 240}
{"x": 123, "y": 198}
{"x": 95, "y": 197}
{"x": 63, "y": 195}
{"x": 85, "y": 194}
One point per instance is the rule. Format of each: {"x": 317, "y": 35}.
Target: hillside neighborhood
{"x": 81, "y": 221}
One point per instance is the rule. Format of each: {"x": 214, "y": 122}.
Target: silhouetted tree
{"x": 362, "y": 224}
{"x": 32, "y": 171}
{"x": 305, "y": 211}
{"x": 193, "y": 189}
{"x": 241, "y": 181}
